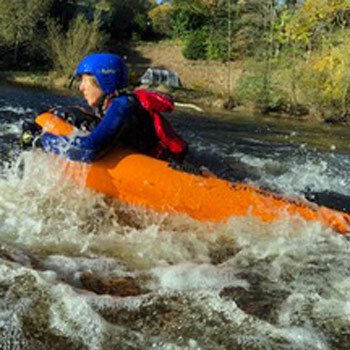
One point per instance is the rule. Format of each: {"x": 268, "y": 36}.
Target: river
{"x": 81, "y": 271}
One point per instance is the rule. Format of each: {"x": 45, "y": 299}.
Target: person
{"x": 127, "y": 119}
{"x": 123, "y": 119}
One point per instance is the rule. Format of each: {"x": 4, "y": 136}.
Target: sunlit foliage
{"x": 66, "y": 49}
{"x": 326, "y": 79}
{"x": 317, "y": 18}
{"x": 160, "y": 17}
{"x": 295, "y": 51}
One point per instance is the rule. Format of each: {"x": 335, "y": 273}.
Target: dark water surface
{"x": 81, "y": 271}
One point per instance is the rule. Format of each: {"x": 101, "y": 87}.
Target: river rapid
{"x": 82, "y": 271}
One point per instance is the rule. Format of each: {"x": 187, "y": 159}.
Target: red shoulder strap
{"x": 167, "y": 135}
{"x": 154, "y": 101}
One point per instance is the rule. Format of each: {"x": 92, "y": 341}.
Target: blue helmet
{"x": 109, "y": 69}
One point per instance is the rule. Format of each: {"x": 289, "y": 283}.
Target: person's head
{"x": 101, "y": 74}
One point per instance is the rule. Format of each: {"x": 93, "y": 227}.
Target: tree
{"x": 19, "y": 22}
{"x": 160, "y": 17}
{"x": 255, "y": 20}
{"x": 66, "y": 49}
{"x": 129, "y": 17}
{"x": 315, "y": 19}
{"x": 63, "y": 11}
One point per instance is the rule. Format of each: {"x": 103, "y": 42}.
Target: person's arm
{"x": 89, "y": 148}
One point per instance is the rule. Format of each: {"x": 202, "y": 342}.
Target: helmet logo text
{"x": 108, "y": 71}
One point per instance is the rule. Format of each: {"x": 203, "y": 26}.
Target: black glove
{"x": 31, "y": 135}
{"x": 77, "y": 116}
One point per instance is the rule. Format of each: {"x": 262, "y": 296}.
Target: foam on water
{"x": 42, "y": 210}
{"x": 302, "y": 170}
{"x": 16, "y": 109}
{"x": 66, "y": 253}
{"x": 191, "y": 276}
{"x": 9, "y": 128}
{"x": 204, "y": 286}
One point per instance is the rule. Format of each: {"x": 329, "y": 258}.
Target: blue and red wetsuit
{"x": 123, "y": 122}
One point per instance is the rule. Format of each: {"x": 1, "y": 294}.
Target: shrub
{"x": 20, "y": 26}
{"x": 184, "y": 21}
{"x": 195, "y": 45}
{"x": 325, "y": 83}
{"x": 66, "y": 49}
{"x": 160, "y": 17}
{"x": 261, "y": 89}
{"x": 217, "y": 46}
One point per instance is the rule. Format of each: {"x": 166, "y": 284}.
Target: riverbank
{"x": 195, "y": 98}
{"x": 206, "y": 84}
{"x": 38, "y": 79}
{"x": 203, "y": 98}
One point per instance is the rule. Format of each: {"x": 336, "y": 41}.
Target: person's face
{"x": 91, "y": 92}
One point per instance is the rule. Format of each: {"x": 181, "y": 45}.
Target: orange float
{"x": 141, "y": 180}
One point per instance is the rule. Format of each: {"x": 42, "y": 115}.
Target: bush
{"x": 66, "y": 49}
{"x": 127, "y": 17}
{"x": 160, "y": 17}
{"x": 261, "y": 89}
{"x": 217, "y": 46}
{"x": 325, "y": 82}
{"x": 195, "y": 45}
{"x": 184, "y": 21}
{"x": 19, "y": 28}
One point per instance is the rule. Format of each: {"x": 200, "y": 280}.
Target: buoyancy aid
{"x": 168, "y": 143}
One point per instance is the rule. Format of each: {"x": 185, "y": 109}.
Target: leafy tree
{"x": 195, "y": 47}
{"x": 188, "y": 16}
{"x": 255, "y": 20}
{"x": 325, "y": 82}
{"x": 66, "y": 49}
{"x": 184, "y": 20}
{"x": 160, "y": 17}
{"x": 63, "y": 11}
{"x": 315, "y": 19}
{"x": 213, "y": 21}
{"x": 20, "y": 22}
{"x": 127, "y": 17}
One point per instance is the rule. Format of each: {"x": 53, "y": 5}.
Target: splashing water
{"x": 82, "y": 271}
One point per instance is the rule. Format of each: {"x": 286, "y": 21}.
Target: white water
{"x": 66, "y": 254}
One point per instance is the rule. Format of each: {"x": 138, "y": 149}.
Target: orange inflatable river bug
{"x": 141, "y": 180}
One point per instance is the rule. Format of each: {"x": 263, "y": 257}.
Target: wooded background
{"x": 295, "y": 53}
